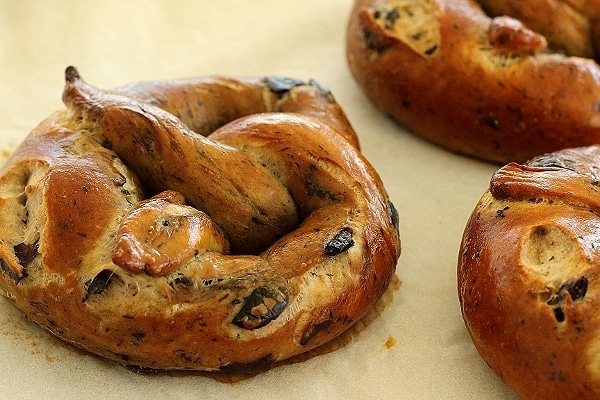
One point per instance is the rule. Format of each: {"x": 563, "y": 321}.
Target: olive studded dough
{"x": 528, "y": 275}
{"x": 500, "y": 81}
{"x": 213, "y": 223}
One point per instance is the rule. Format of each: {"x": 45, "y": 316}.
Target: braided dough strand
{"x": 161, "y": 225}
{"x": 165, "y": 154}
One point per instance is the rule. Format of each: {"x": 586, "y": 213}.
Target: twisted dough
{"x": 528, "y": 275}
{"x": 486, "y": 86}
{"x": 130, "y": 234}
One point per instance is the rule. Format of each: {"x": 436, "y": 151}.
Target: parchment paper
{"x": 417, "y": 349}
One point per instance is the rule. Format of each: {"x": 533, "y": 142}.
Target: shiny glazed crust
{"x": 130, "y": 234}
{"x": 528, "y": 275}
{"x": 483, "y": 86}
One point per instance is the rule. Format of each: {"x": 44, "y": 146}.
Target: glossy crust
{"x": 528, "y": 275}
{"x": 128, "y": 233}
{"x": 482, "y": 86}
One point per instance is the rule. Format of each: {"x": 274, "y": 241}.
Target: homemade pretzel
{"x": 482, "y": 84}
{"x": 528, "y": 275}
{"x": 128, "y": 233}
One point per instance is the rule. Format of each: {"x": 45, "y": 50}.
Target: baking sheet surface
{"x": 417, "y": 349}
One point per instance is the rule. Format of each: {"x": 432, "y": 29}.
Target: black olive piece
{"x": 340, "y": 243}
{"x": 100, "y": 282}
{"x": 391, "y": 18}
{"x": 431, "y": 50}
{"x": 576, "y": 288}
{"x": 25, "y": 253}
{"x": 183, "y": 281}
{"x": 395, "y": 217}
{"x": 500, "y": 213}
{"x": 262, "y": 306}
{"x": 282, "y": 85}
{"x": 559, "y": 314}
{"x": 8, "y": 271}
{"x": 552, "y": 161}
{"x": 322, "y": 89}
{"x": 314, "y": 330}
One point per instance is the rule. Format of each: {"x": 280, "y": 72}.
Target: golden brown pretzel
{"x": 477, "y": 84}
{"x": 131, "y": 235}
{"x": 528, "y": 275}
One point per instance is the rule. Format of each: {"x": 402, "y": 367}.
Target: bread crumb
{"x": 390, "y": 342}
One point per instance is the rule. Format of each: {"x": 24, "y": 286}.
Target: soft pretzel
{"x": 528, "y": 275}
{"x": 482, "y": 84}
{"x": 128, "y": 233}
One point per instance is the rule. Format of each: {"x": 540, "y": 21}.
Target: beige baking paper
{"x": 417, "y": 349}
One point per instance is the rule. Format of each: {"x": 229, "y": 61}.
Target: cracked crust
{"x": 129, "y": 233}
{"x": 528, "y": 275}
{"x": 488, "y": 86}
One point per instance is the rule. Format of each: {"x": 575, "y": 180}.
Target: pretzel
{"x": 211, "y": 224}
{"x": 528, "y": 275}
{"x": 500, "y": 81}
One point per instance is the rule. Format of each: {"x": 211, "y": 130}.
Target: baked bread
{"x": 528, "y": 275}
{"x": 128, "y": 233}
{"x": 482, "y": 84}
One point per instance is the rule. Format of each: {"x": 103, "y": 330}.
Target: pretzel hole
{"x": 281, "y": 85}
{"x": 575, "y": 287}
{"x": 22, "y": 219}
{"x": 341, "y": 242}
{"x": 553, "y": 161}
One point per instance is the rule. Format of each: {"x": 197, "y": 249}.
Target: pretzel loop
{"x": 209, "y": 224}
